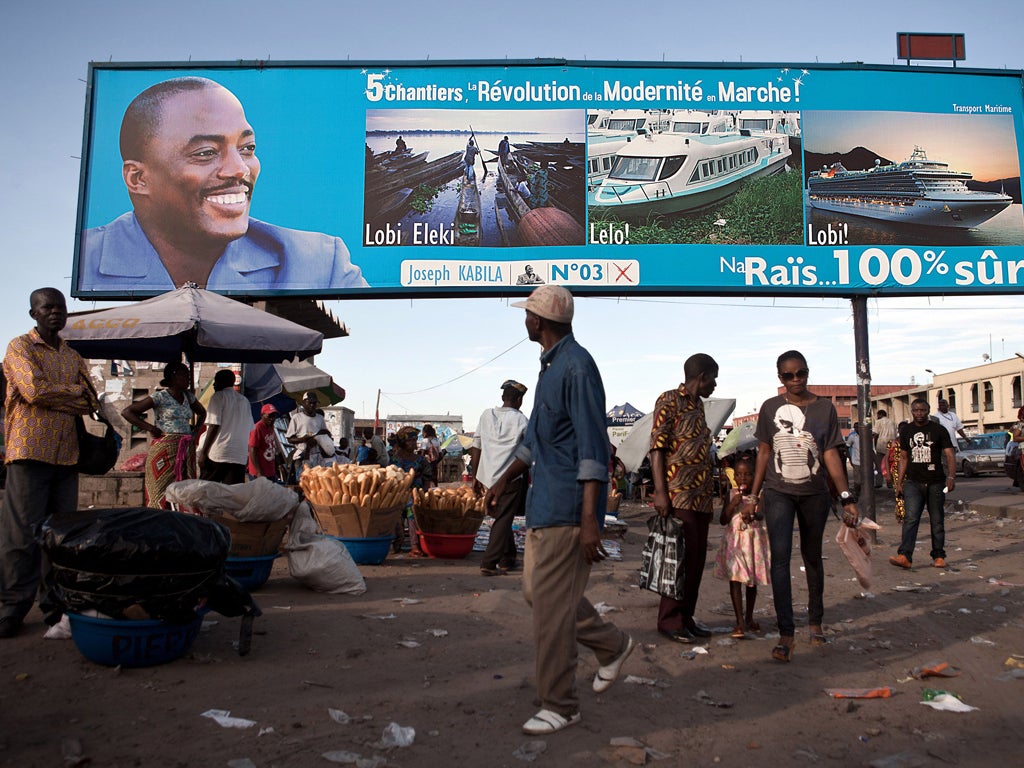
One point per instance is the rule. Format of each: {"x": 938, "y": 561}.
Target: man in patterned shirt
{"x": 47, "y": 387}
{"x": 681, "y": 467}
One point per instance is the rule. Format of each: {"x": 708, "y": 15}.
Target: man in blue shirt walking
{"x": 566, "y": 451}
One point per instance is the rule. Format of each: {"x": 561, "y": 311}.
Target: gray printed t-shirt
{"x": 799, "y": 437}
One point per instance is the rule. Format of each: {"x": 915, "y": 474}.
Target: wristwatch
{"x": 846, "y": 498}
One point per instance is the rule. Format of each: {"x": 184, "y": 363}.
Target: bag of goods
{"x": 259, "y": 500}
{"x": 320, "y": 562}
{"x": 256, "y": 513}
{"x": 140, "y": 563}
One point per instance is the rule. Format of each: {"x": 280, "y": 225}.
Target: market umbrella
{"x": 638, "y": 442}
{"x": 740, "y": 438}
{"x": 457, "y": 444}
{"x": 269, "y": 388}
{"x": 293, "y": 378}
{"x": 190, "y": 322}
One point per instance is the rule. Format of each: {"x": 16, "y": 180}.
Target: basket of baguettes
{"x": 614, "y": 499}
{"x": 448, "y": 510}
{"x": 353, "y": 501}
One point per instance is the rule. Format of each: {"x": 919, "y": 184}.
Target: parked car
{"x": 982, "y": 453}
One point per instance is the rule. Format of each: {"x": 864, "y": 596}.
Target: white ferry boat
{"x": 627, "y": 122}
{"x": 610, "y": 130}
{"x": 701, "y": 123}
{"x": 680, "y": 173}
{"x": 915, "y": 191}
{"x": 761, "y": 122}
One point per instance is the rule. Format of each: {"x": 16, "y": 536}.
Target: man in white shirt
{"x": 950, "y": 421}
{"x": 308, "y": 432}
{"x": 498, "y": 434}
{"x": 884, "y": 432}
{"x": 225, "y": 450}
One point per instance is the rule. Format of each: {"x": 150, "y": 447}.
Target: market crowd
{"x": 552, "y": 466}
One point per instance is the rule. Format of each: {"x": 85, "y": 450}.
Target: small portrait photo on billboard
{"x": 688, "y": 176}
{"x": 475, "y": 178}
{"x": 912, "y": 178}
{"x": 190, "y": 166}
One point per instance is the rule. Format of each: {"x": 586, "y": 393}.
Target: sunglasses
{"x": 790, "y": 375}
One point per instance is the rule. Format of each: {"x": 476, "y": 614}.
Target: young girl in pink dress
{"x": 743, "y": 555}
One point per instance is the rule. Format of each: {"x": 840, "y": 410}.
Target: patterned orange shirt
{"x": 44, "y": 394}
{"x": 680, "y": 429}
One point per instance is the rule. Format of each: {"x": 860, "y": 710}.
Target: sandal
{"x": 546, "y": 721}
{"x": 753, "y": 626}
{"x": 783, "y": 652}
{"x": 416, "y": 553}
{"x": 738, "y": 633}
{"x": 817, "y": 638}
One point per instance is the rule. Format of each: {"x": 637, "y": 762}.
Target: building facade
{"x": 843, "y": 397}
{"x": 986, "y": 397}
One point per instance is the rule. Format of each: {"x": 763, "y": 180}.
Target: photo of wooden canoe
{"x": 549, "y": 226}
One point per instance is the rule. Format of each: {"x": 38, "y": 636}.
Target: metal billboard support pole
{"x": 866, "y": 502}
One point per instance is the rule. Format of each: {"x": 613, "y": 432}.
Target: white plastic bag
{"x": 854, "y": 543}
{"x": 318, "y": 561}
{"x": 395, "y": 735}
{"x": 258, "y": 501}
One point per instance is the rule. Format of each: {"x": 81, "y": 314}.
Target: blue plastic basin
{"x": 251, "y": 572}
{"x": 372, "y": 550}
{"x": 114, "y": 642}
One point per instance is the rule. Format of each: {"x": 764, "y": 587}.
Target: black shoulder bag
{"x": 96, "y": 455}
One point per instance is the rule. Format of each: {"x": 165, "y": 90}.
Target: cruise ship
{"x": 917, "y": 191}
{"x": 672, "y": 173}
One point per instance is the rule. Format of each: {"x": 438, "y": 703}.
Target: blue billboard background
{"x": 311, "y": 127}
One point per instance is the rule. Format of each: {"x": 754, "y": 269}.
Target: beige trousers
{"x": 555, "y": 576}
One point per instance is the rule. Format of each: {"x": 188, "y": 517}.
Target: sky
{"x": 449, "y": 356}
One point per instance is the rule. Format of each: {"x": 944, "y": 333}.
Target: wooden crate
{"x": 352, "y": 522}
{"x": 253, "y": 539}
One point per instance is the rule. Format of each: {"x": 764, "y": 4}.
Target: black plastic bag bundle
{"x": 166, "y": 563}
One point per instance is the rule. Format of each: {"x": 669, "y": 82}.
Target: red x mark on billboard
{"x": 623, "y": 272}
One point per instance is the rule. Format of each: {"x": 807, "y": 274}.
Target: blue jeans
{"x": 914, "y": 497}
{"x": 811, "y": 514}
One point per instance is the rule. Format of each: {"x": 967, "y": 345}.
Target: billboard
{"x": 483, "y": 178}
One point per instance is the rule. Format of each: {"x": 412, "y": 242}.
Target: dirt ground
{"x": 467, "y": 691}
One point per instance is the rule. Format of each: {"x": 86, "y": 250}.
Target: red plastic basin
{"x": 447, "y": 546}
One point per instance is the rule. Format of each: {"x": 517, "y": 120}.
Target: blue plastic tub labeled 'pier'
{"x": 114, "y": 642}
{"x": 251, "y": 572}
{"x": 372, "y": 550}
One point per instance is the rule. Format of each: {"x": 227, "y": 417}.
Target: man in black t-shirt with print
{"x": 924, "y": 444}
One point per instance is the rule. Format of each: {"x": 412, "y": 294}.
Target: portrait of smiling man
{"x": 190, "y": 167}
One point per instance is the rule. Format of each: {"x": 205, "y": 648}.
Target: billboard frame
{"x": 510, "y": 291}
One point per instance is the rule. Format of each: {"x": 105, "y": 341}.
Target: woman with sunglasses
{"x": 799, "y": 437}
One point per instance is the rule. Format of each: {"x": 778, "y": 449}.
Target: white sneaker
{"x": 547, "y": 721}
{"x": 609, "y": 673}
